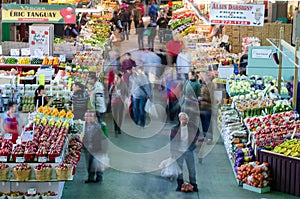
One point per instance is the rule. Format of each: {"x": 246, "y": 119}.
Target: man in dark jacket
{"x": 152, "y": 33}
{"x": 183, "y": 142}
{"x": 162, "y": 25}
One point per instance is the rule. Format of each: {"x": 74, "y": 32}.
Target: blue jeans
{"x": 205, "y": 116}
{"x": 125, "y": 33}
{"x": 161, "y": 34}
{"x": 139, "y": 114}
{"x": 188, "y": 157}
{"x": 90, "y": 167}
{"x": 141, "y": 41}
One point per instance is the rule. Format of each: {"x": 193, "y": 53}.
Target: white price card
{"x": 25, "y": 51}
{"x": 58, "y": 160}
{"x": 31, "y": 191}
{"x": 62, "y": 58}
{"x": 42, "y": 159}
{"x": 0, "y": 49}
{"x": 7, "y": 136}
{"x": 27, "y": 136}
{"x": 20, "y": 159}
{"x": 3, "y": 158}
{"x": 15, "y": 52}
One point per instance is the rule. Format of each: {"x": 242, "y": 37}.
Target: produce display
{"x": 27, "y": 104}
{"x": 239, "y": 87}
{"x": 11, "y": 60}
{"x": 281, "y": 106}
{"x": 50, "y": 61}
{"x": 95, "y": 34}
{"x": 243, "y": 156}
{"x": 37, "y": 61}
{"x": 46, "y": 110}
{"x": 24, "y": 60}
{"x": 254, "y": 174}
{"x": 289, "y": 148}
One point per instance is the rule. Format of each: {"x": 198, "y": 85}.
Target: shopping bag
{"x": 104, "y": 162}
{"x": 150, "y": 108}
{"x": 147, "y": 32}
{"x": 170, "y": 168}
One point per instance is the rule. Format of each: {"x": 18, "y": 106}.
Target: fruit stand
{"x": 45, "y": 156}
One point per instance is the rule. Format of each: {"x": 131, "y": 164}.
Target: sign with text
{"x": 261, "y": 53}
{"x": 237, "y": 14}
{"x": 27, "y": 13}
{"x": 27, "y": 136}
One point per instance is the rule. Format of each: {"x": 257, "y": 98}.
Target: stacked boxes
{"x": 269, "y": 30}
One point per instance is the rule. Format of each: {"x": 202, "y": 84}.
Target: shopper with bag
{"x": 183, "y": 139}
{"x": 140, "y": 28}
{"x": 118, "y": 93}
{"x": 151, "y": 33}
{"x": 95, "y": 148}
{"x": 79, "y": 100}
{"x": 141, "y": 90}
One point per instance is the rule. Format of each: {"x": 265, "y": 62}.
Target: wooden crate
{"x": 257, "y": 32}
{"x": 250, "y": 28}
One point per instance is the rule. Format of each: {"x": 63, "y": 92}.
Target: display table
{"x": 285, "y": 171}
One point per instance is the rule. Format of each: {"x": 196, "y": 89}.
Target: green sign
{"x": 27, "y": 13}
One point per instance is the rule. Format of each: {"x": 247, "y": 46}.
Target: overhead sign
{"x": 237, "y": 14}
{"x": 27, "y": 13}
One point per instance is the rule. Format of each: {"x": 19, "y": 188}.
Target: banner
{"x": 26, "y": 13}
{"x": 237, "y": 14}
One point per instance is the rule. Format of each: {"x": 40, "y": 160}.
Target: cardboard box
{"x": 255, "y": 189}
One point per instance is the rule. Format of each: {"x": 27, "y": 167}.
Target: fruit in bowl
{"x": 49, "y": 195}
{"x": 15, "y": 195}
{"x": 22, "y": 167}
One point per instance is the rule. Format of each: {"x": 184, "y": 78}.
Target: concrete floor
{"x": 136, "y": 154}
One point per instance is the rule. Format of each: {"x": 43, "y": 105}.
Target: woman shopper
{"x": 118, "y": 93}
{"x": 183, "y": 139}
{"x": 205, "y": 106}
{"x": 10, "y": 122}
{"x": 140, "y": 32}
{"x": 39, "y": 97}
{"x": 95, "y": 146}
{"x": 79, "y": 100}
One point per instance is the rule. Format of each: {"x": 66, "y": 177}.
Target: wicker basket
{"x": 63, "y": 174}
{"x": 23, "y": 175}
{"x": 4, "y": 174}
{"x": 43, "y": 175}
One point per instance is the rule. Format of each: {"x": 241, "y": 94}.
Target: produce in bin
{"x": 282, "y": 106}
{"x": 243, "y": 156}
{"x": 22, "y": 172}
{"x": 63, "y": 171}
{"x": 49, "y": 195}
{"x": 254, "y": 174}
{"x": 11, "y": 60}
{"x": 4, "y": 169}
{"x": 43, "y": 172}
{"x": 15, "y": 195}
{"x": 18, "y": 151}
{"x": 6, "y": 148}
{"x": 32, "y": 196}
{"x": 2, "y": 195}
{"x": 289, "y": 148}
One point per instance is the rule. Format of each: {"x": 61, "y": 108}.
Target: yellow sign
{"x": 26, "y": 13}
{"x": 41, "y": 79}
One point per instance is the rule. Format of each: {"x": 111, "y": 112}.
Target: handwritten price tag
{"x": 42, "y": 159}
{"x": 31, "y": 191}
{"x": 58, "y": 160}
{"x": 27, "y": 136}
{"x": 20, "y": 159}
{"x": 3, "y": 158}
{"x": 7, "y": 136}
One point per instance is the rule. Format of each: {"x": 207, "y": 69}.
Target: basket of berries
{"x": 15, "y": 195}
{"x": 4, "y": 169}
{"x": 49, "y": 195}
{"x": 36, "y": 195}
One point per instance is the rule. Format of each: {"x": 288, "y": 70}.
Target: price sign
{"x": 3, "y": 158}
{"x": 7, "y": 136}
{"x": 25, "y": 51}
{"x": 42, "y": 79}
{"x": 58, "y": 160}
{"x": 62, "y": 58}
{"x": 15, "y": 52}
{"x": 27, "y": 136}
{"x": 42, "y": 159}
{"x": 20, "y": 159}
{"x": 0, "y": 49}
{"x": 31, "y": 191}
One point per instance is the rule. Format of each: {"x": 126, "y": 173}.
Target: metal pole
{"x": 280, "y": 60}
{"x": 295, "y": 88}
